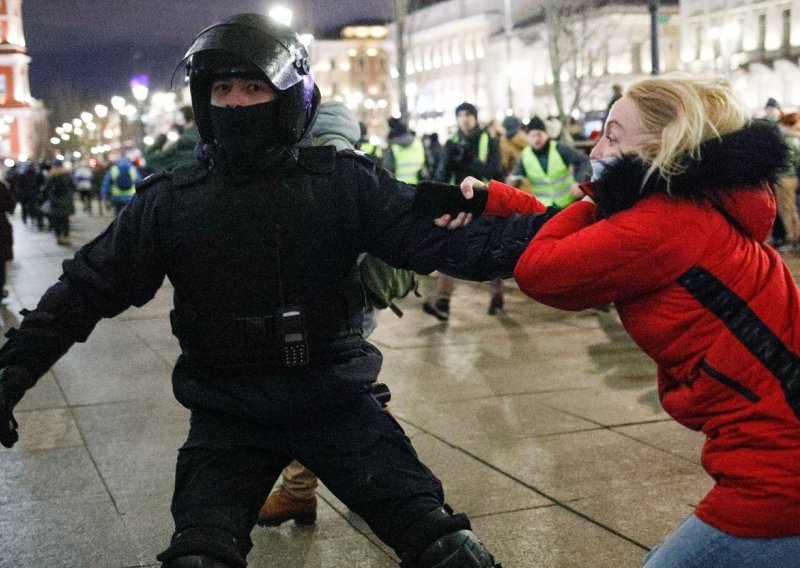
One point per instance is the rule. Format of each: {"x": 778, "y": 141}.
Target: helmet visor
{"x": 279, "y": 55}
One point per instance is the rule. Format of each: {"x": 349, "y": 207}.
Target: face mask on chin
{"x": 247, "y": 135}
{"x": 599, "y": 165}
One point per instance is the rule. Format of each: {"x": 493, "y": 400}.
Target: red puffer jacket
{"x": 699, "y": 293}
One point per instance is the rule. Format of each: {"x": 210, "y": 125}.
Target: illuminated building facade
{"x": 20, "y": 115}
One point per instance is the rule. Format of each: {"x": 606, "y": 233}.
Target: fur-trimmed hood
{"x": 748, "y": 159}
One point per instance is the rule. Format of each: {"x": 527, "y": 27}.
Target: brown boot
{"x": 281, "y": 507}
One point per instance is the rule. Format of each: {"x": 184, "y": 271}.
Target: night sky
{"x": 92, "y": 48}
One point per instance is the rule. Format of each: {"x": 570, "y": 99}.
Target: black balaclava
{"x": 246, "y": 135}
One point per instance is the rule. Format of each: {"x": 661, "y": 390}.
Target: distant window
{"x": 636, "y": 58}
{"x": 740, "y": 36}
{"x": 786, "y": 16}
{"x": 698, "y": 42}
{"x": 3, "y": 88}
{"x": 762, "y": 32}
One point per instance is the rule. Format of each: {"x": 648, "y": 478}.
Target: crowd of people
{"x": 667, "y": 219}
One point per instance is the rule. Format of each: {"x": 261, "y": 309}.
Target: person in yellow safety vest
{"x": 472, "y": 151}
{"x": 367, "y": 147}
{"x": 405, "y": 156}
{"x": 553, "y": 170}
{"x": 119, "y": 183}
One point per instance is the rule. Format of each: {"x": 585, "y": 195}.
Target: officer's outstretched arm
{"x": 120, "y": 268}
{"x": 24, "y": 358}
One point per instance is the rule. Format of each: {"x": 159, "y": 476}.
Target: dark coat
{"x": 237, "y": 250}
{"x": 7, "y": 205}
{"x": 60, "y": 189}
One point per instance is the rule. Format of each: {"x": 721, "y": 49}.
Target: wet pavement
{"x": 544, "y": 426}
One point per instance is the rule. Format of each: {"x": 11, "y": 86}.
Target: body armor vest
{"x": 247, "y": 251}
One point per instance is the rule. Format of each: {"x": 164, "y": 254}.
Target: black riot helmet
{"x": 248, "y": 45}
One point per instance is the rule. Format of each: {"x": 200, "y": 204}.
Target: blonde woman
{"x": 673, "y": 236}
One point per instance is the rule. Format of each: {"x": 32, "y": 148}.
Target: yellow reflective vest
{"x": 408, "y": 161}
{"x": 371, "y": 150}
{"x": 117, "y": 191}
{"x": 553, "y": 186}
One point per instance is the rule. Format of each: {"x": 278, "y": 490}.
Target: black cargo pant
{"x": 359, "y": 452}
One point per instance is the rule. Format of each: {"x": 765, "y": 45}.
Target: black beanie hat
{"x": 470, "y": 108}
{"x": 536, "y": 123}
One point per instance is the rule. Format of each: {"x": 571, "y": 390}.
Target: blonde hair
{"x": 678, "y": 112}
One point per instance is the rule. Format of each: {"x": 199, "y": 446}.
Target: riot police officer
{"x": 268, "y": 307}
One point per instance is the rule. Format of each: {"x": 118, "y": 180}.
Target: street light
{"x": 139, "y": 92}
{"x": 101, "y": 111}
{"x": 281, "y": 14}
{"x": 139, "y": 87}
{"x": 118, "y": 103}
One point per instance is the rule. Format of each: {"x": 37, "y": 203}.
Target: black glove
{"x": 436, "y": 199}
{"x": 14, "y": 381}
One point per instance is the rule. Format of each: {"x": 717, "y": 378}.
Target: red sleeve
{"x": 576, "y": 262}
{"x": 505, "y": 200}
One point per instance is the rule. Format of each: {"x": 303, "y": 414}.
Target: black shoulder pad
{"x": 359, "y": 156}
{"x": 151, "y": 180}
{"x": 317, "y": 159}
{"x": 189, "y": 174}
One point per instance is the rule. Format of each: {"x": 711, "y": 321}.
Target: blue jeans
{"x": 695, "y": 544}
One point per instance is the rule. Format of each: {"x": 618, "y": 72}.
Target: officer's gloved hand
{"x": 14, "y": 381}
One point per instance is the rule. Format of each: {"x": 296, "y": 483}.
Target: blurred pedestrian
{"x": 119, "y": 183}
{"x": 167, "y": 155}
{"x": 367, "y": 147}
{"x": 552, "y": 169}
{"x": 59, "y": 204}
{"x": 471, "y": 151}
{"x": 405, "y": 154}
{"x": 23, "y": 181}
{"x": 772, "y": 110}
{"x": 7, "y": 205}
{"x": 98, "y": 175}
{"x": 616, "y": 94}
{"x": 512, "y": 142}
{"x": 433, "y": 150}
{"x": 786, "y": 187}
{"x": 83, "y": 181}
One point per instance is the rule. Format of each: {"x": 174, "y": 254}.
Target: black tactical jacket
{"x": 237, "y": 250}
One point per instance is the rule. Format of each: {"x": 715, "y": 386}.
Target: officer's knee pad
{"x": 441, "y": 539}
{"x": 195, "y": 561}
{"x": 460, "y": 549}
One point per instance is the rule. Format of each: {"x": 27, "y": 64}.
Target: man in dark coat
{"x": 471, "y": 151}
{"x": 59, "y": 205}
{"x": 268, "y": 307}
{"x": 7, "y": 205}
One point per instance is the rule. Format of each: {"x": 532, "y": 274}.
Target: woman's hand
{"x": 469, "y": 185}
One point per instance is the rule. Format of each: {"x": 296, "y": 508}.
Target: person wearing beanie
{"x": 405, "y": 154}
{"x": 468, "y": 108}
{"x": 772, "y": 110}
{"x": 512, "y": 142}
{"x": 552, "y": 169}
{"x": 471, "y": 151}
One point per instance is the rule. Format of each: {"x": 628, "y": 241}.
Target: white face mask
{"x": 599, "y": 165}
